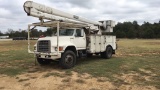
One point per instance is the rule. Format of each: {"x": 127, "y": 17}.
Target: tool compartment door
{"x": 103, "y": 42}
{"x": 92, "y": 44}
{"x": 98, "y": 43}
{"x": 95, "y": 43}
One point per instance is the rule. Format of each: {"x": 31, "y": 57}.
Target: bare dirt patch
{"x": 27, "y": 82}
{"x": 131, "y": 82}
{"x": 136, "y": 87}
{"x": 146, "y": 71}
{"x": 37, "y": 81}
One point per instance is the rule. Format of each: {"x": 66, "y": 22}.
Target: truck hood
{"x": 63, "y": 40}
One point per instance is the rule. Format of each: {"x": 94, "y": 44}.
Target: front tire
{"x": 42, "y": 61}
{"x": 68, "y": 59}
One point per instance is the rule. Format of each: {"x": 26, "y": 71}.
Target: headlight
{"x": 60, "y": 48}
{"x": 34, "y": 47}
{"x": 55, "y": 48}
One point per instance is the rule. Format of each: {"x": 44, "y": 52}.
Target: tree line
{"x": 24, "y": 33}
{"x": 121, "y": 30}
{"x": 134, "y": 30}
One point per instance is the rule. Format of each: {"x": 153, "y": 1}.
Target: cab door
{"x": 80, "y": 40}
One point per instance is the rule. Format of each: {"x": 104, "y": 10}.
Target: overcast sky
{"x": 12, "y": 14}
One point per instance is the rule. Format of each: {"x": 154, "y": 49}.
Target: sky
{"x": 13, "y": 16}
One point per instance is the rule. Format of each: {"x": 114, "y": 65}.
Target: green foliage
{"x": 33, "y": 33}
{"x": 19, "y": 33}
{"x": 50, "y": 31}
{"x": 1, "y": 33}
{"x": 121, "y": 30}
{"x": 133, "y": 30}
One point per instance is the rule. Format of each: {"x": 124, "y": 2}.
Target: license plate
{"x": 42, "y": 56}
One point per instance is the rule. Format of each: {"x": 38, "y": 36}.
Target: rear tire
{"x": 108, "y": 53}
{"x": 43, "y": 61}
{"x": 68, "y": 59}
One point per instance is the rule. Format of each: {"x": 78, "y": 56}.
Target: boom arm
{"x": 42, "y": 11}
{"x": 45, "y": 12}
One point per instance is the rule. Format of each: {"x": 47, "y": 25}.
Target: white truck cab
{"x": 72, "y": 37}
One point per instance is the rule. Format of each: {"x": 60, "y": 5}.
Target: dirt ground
{"x": 54, "y": 80}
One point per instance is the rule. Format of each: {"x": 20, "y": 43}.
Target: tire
{"x": 108, "y": 53}
{"x": 102, "y": 54}
{"x": 68, "y": 59}
{"x": 42, "y": 61}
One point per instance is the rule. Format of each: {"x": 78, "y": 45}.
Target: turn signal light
{"x": 60, "y": 48}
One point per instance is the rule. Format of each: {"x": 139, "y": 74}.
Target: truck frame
{"x": 75, "y": 36}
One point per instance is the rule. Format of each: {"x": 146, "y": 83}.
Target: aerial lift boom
{"x": 45, "y": 12}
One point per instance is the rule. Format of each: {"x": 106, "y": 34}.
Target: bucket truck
{"x": 75, "y": 36}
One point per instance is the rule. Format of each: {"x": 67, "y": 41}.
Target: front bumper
{"x": 52, "y": 56}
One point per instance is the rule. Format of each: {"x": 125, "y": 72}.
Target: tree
{"x": 24, "y": 33}
{"x": 121, "y": 30}
{"x": 34, "y": 33}
{"x": 120, "y": 34}
{"x": 50, "y": 31}
{"x": 10, "y": 32}
{"x": 1, "y": 33}
{"x": 136, "y": 29}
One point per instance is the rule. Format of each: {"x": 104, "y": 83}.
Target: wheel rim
{"x": 69, "y": 59}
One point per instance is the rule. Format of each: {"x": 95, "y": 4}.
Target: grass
{"x": 132, "y": 56}
{"x": 14, "y": 58}
{"x": 11, "y": 71}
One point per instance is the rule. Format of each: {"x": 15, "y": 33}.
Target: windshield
{"x": 65, "y": 32}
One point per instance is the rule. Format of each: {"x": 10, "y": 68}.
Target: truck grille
{"x": 43, "y": 46}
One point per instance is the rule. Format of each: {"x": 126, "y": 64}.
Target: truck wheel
{"x": 108, "y": 53}
{"x": 68, "y": 59}
{"x": 43, "y": 61}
